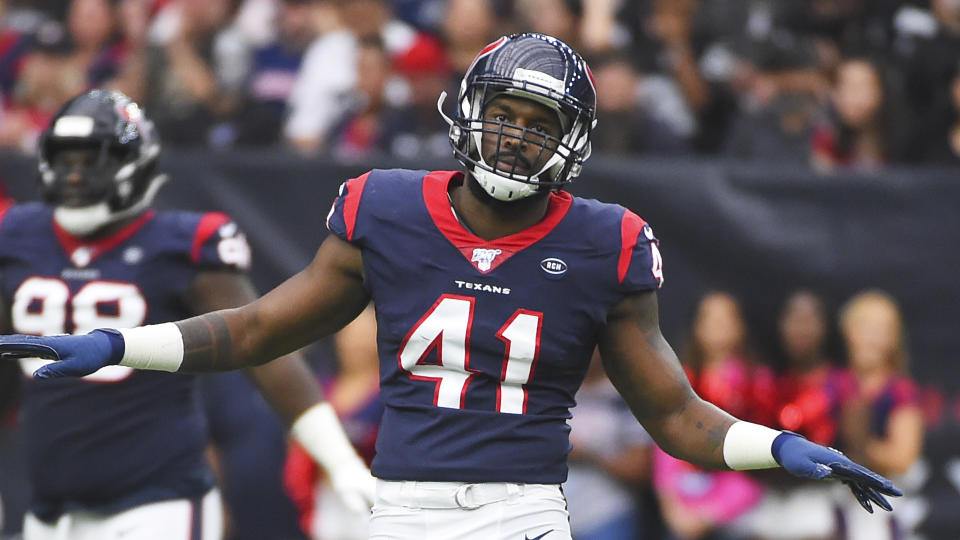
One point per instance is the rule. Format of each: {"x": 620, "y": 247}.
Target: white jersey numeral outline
{"x": 446, "y": 327}
{"x": 40, "y": 307}
{"x": 656, "y": 267}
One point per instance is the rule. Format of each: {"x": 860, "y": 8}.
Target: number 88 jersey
{"x": 119, "y": 437}
{"x": 483, "y": 344}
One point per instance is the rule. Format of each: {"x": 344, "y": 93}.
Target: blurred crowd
{"x": 832, "y": 83}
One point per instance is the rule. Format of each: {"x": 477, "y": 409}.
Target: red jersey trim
{"x": 71, "y": 243}
{"x": 435, "y": 186}
{"x": 351, "y": 203}
{"x": 630, "y": 227}
{"x": 208, "y": 225}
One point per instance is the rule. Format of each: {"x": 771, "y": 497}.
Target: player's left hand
{"x": 810, "y": 460}
{"x": 355, "y": 486}
{"x": 319, "y": 431}
{"x": 75, "y": 355}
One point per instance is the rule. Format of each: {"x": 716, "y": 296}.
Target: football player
{"x": 492, "y": 286}
{"x": 121, "y": 451}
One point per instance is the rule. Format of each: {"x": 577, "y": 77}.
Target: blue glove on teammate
{"x": 810, "y": 460}
{"x": 78, "y": 355}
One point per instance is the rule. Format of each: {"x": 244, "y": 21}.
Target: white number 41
{"x": 446, "y": 327}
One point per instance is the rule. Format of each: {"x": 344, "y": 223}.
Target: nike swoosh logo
{"x": 537, "y": 537}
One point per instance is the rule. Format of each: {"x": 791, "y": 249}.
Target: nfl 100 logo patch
{"x": 483, "y": 258}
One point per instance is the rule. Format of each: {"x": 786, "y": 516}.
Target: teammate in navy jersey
{"x": 123, "y": 451}
{"x": 491, "y": 287}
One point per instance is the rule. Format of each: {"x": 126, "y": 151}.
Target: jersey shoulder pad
{"x": 375, "y": 194}
{"x": 210, "y": 240}
{"x": 621, "y": 237}
{"x": 22, "y": 225}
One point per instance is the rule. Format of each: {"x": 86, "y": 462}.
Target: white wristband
{"x": 320, "y": 433}
{"x": 158, "y": 347}
{"x": 749, "y": 446}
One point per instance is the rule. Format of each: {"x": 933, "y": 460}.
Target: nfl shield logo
{"x": 484, "y": 257}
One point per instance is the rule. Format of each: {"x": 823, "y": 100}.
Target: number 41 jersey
{"x": 120, "y": 437}
{"x": 483, "y": 344}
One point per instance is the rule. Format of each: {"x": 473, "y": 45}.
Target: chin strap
{"x": 84, "y": 220}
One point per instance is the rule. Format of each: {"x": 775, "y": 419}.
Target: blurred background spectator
{"x": 418, "y": 131}
{"x": 926, "y": 45}
{"x": 808, "y": 403}
{"x": 273, "y": 71}
{"x": 39, "y": 89}
{"x": 640, "y": 114}
{"x": 610, "y": 463}
{"x": 329, "y": 79}
{"x": 723, "y": 369}
{"x": 859, "y": 128}
{"x": 881, "y": 422}
{"x": 943, "y": 144}
{"x": 364, "y": 126}
{"x": 467, "y": 27}
{"x": 196, "y": 64}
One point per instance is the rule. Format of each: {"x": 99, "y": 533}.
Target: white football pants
{"x": 460, "y": 511}
{"x": 178, "y": 519}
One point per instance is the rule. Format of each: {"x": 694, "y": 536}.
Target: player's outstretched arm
{"x": 314, "y": 303}
{"x": 647, "y": 373}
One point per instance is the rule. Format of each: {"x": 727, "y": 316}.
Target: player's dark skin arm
{"x": 647, "y": 373}
{"x": 316, "y": 302}
{"x": 287, "y": 383}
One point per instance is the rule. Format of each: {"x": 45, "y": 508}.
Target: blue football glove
{"x": 810, "y": 460}
{"x": 77, "y": 355}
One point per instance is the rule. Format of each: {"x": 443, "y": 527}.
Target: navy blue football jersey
{"x": 119, "y": 437}
{"x": 483, "y": 344}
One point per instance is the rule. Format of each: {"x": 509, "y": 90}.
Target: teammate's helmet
{"x": 120, "y": 181}
{"x": 537, "y": 67}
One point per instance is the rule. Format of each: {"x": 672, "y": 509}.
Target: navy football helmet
{"x": 119, "y": 177}
{"x": 540, "y": 68}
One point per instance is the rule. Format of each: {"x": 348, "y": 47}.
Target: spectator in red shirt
{"x": 721, "y": 367}
{"x": 794, "y": 509}
{"x": 808, "y": 387}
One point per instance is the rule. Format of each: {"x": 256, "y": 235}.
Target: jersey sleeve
{"x": 639, "y": 266}
{"x": 342, "y": 219}
{"x": 219, "y": 243}
{"x": 18, "y": 230}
